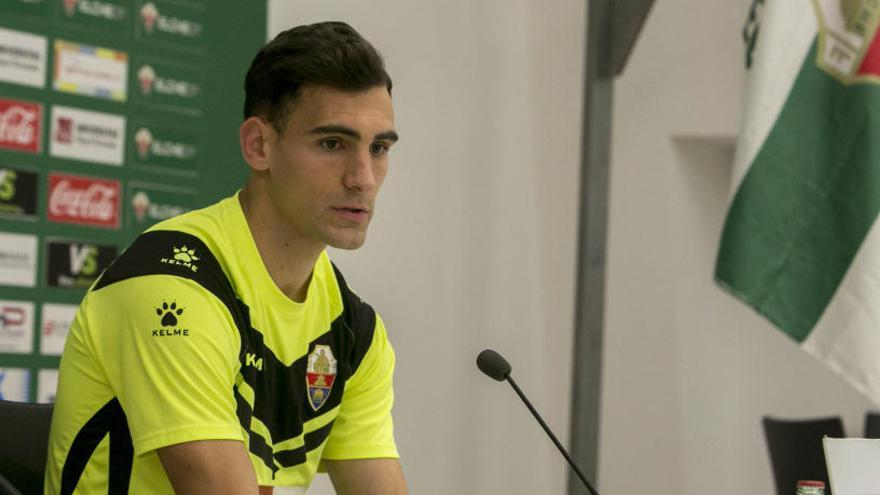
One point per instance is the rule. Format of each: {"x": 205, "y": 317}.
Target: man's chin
{"x": 349, "y": 243}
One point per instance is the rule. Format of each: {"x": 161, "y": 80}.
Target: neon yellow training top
{"x": 185, "y": 337}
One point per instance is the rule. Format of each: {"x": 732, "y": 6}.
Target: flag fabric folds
{"x": 801, "y": 243}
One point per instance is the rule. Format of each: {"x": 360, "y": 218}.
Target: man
{"x": 222, "y": 351}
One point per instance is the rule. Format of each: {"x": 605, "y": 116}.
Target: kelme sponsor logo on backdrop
{"x": 175, "y": 25}
{"x": 15, "y": 384}
{"x": 22, "y": 58}
{"x": 56, "y": 320}
{"x": 18, "y": 192}
{"x": 91, "y": 70}
{"x": 84, "y": 200}
{"x": 47, "y": 386}
{"x": 151, "y": 203}
{"x": 76, "y": 265}
{"x": 168, "y": 86}
{"x": 18, "y": 259}
{"x": 86, "y": 135}
{"x": 20, "y": 125}
{"x": 16, "y": 327}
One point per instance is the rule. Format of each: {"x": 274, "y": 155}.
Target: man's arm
{"x": 209, "y": 466}
{"x": 366, "y": 477}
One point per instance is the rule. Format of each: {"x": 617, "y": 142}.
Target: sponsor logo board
{"x": 16, "y": 327}
{"x": 18, "y": 192}
{"x": 76, "y": 265}
{"x": 167, "y": 86}
{"x": 20, "y": 125}
{"x": 55, "y": 324}
{"x": 86, "y": 135}
{"x": 84, "y": 200}
{"x": 47, "y": 386}
{"x": 15, "y": 384}
{"x": 91, "y": 70}
{"x": 172, "y": 24}
{"x": 151, "y": 203}
{"x": 18, "y": 259}
{"x": 22, "y": 58}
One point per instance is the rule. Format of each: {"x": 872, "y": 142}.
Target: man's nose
{"x": 359, "y": 173}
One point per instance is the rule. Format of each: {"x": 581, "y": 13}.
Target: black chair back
{"x": 796, "y": 451}
{"x": 24, "y": 429}
{"x": 872, "y": 424}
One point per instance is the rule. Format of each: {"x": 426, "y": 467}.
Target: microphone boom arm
{"x": 550, "y": 434}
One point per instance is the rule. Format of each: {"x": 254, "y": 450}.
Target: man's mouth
{"x": 353, "y": 213}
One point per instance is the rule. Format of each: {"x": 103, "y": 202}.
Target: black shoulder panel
{"x": 360, "y": 318}
{"x": 166, "y": 252}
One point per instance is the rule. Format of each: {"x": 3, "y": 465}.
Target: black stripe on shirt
{"x": 109, "y": 420}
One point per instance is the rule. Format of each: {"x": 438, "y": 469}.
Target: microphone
{"x": 496, "y": 367}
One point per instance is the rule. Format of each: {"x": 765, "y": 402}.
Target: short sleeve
{"x": 172, "y": 362}
{"x": 364, "y": 429}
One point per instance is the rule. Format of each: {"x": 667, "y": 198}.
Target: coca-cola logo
{"x": 84, "y": 201}
{"x": 20, "y": 125}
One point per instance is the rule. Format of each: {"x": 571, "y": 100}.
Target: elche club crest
{"x": 146, "y": 76}
{"x": 143, "y": 139}
{"x": 849, "y": 48}
{"x": 140, "y": 202}
{"x": 320, "y": 375}
{"x": 149, "y": 13}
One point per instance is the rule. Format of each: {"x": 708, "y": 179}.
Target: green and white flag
{"x": 801, "y": 243}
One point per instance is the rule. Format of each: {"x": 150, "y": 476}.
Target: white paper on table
{"x": 853, "y": 465}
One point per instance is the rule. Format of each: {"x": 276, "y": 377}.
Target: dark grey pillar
{"x": 612, "y": 28}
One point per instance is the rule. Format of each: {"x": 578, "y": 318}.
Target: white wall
{"x": 473, "y": 245}
{"x": 689, "y": 371}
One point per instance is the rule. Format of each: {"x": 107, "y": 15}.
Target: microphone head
{"x": 493, "y": 364}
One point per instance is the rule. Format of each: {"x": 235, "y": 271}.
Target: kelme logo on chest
{"x": 320, "y": 375}
{"x": 183, "y": 257}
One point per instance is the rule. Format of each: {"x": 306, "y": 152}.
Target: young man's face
{"x": 329, "y": 162}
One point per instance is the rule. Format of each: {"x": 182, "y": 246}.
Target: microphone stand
{"x": 550, "y": 434}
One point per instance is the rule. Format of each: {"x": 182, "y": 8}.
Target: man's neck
{"x": 287, "y": 257}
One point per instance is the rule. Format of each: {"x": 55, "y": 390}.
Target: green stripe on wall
{"x": 806, "y": 204}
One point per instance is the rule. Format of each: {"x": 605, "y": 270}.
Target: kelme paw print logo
{"x": 170, "y": 312}
{"x": 185, "y": 255}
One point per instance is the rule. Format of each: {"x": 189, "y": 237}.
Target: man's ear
{"x": 255, "y": 136}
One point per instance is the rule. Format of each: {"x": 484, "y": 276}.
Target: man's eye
{"x": 331, "y": 144}
{"x": 378, "y": 148}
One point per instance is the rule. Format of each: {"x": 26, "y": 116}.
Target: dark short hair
{"x": 323, "y": 54}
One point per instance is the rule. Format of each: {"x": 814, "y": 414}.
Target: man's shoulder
{"x": 357, "y": 313}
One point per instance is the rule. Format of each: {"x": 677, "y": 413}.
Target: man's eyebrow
{"x": 387, "y": 136}
{"x": 347, "y": 131}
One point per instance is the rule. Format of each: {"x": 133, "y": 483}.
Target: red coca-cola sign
{"x": 84, "y": 200}
{"x": 20, "y": 124}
